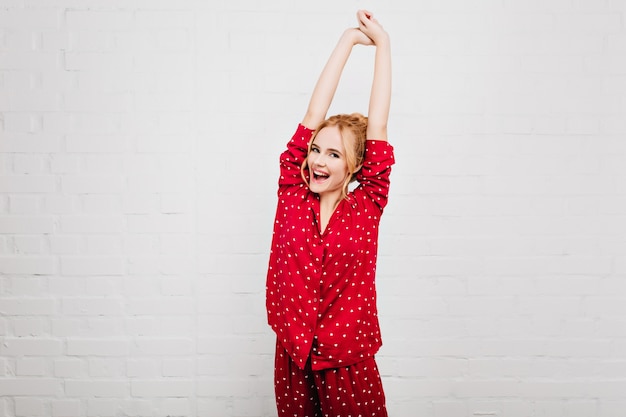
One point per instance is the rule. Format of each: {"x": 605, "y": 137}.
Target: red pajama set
{"x": 321, "y": 293}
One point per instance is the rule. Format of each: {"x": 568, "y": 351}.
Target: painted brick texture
{"x": 139, "y": 143}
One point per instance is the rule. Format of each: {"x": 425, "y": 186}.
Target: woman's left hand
{"x": 371, "y": 27}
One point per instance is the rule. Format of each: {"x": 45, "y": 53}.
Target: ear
{"x": 353, "y": 174}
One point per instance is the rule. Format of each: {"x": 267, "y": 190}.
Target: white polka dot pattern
{"x": 348, "y": 391}
{"x": 321, "y": 294}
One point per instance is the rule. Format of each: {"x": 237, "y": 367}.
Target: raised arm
{"x": 380, "y": 96}
{"x": 328, "y": 81}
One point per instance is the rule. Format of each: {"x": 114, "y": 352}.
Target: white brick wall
{"x": 138, "y": 162}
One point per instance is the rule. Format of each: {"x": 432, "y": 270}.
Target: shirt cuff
{"x": 378, "y": 151}
{"x": 302, "y": 136}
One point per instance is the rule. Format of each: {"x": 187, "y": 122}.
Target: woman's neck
{"x": 329, "y": 201}
{"x": 328, "y": 204}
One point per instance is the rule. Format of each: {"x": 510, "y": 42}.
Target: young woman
{"x": 321, "y": 295}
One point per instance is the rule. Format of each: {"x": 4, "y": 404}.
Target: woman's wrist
{"x": 382, "y": 40}
{"x": 350, "y": 36}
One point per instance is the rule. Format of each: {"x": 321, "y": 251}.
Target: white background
{"x": 138, "y": 168}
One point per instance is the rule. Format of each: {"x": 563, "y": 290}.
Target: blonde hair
{"x": 352, "y": 128}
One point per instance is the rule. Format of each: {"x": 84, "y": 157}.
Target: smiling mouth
{"x": 320, "y": 176}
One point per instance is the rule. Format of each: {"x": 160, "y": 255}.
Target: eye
{"x": 314, "y": 149}
{"x": 334, "y": 155}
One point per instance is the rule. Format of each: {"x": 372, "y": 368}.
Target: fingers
{"x": 363, "y": 16}
{"x": 365, "y": 19}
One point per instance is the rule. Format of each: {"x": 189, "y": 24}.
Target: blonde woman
{"x": 321, "y": 294}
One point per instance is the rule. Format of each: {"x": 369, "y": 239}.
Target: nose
{"x": 319, "y": 159}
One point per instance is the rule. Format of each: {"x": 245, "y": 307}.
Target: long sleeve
{"x": 374, "y": 175}
{"x": 292, "y": 158}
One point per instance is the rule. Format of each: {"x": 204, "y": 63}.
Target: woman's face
{"x": 328, "y": 168}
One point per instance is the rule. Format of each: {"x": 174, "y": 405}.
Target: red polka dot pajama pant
{"x": 352, "y": 391}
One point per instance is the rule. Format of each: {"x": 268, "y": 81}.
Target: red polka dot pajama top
{"x": 320, "y": 290}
